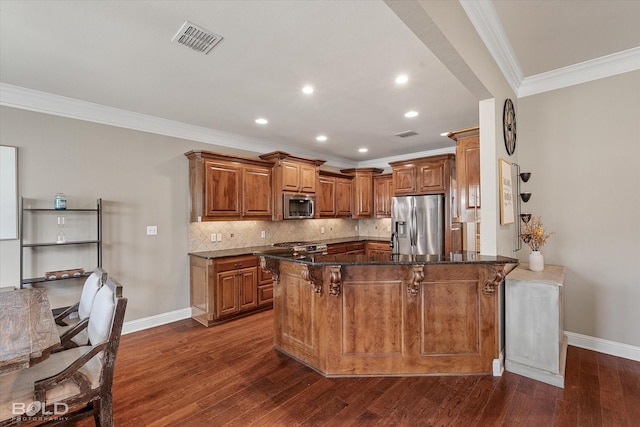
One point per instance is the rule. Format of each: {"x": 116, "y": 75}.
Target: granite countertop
{"x": 344, "y": 259}
{"x": 274, "y": 249}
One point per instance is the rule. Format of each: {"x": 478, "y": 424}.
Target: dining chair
{"x": 74, "y": 383}
{"x": 70, "y": 322}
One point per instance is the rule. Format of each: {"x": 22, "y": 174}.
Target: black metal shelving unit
{"x": 23, "y": 246}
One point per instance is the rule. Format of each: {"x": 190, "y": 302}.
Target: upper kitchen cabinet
{"x": 467, "y": 171}
{"x": 291, "y": 174}
{"x": 382, "y": 192}
{"x": 334, "y": 197}
{"x": 362, "y": 191}
{"x": 229, "y": 188}
{"x": 425, "y": 175}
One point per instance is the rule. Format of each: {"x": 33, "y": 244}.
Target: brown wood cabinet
{"x": 292, "y": 174}
{"x": 467, "y": 171}
{"x": 382, "y": 191}
{"x": 426, "y": 175}
{"x": 362, "y": 190}
{"x": 224, "y": 288}
{"x": 334, "y": 196}
{"x": 229, "y": 188}
{"x": 377, "y": 248}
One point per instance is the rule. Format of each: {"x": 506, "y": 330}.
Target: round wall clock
{"x": 509, "y": 126}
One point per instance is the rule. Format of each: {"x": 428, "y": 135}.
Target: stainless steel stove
{"x": 304, "y": 247}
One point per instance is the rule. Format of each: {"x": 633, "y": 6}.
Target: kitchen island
{"x": 363, "y": 315}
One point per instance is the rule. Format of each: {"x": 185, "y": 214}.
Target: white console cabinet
{"x": 536, "y": 346}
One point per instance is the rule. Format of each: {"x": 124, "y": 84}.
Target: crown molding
{"x": 583, "y": 72}
{"x": 47, "y": 103}
{"x": 485, "y": 20}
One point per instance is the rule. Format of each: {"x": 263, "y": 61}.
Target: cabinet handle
{"x": 237, "y": 264}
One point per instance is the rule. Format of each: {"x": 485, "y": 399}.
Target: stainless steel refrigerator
{"x": 417, "y": 224}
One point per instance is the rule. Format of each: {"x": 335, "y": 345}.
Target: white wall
{"x": 582, "y": 146}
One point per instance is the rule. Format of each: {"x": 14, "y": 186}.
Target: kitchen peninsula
{"x": 353, "y": 315}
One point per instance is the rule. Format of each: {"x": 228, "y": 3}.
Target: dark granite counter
{"x": 344, "y": 259}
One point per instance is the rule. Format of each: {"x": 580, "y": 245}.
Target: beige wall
{"x": 582, "y": 145}
{"x": 143, "y": 180}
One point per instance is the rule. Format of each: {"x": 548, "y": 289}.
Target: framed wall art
{"x": 507, "y": 214}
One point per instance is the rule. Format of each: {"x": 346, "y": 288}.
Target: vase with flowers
{"x": 534, "y": 235}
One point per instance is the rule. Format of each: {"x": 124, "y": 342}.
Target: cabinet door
{"x": 290, "y": 176}
{"x": 382, "y": 197}
{"x": 404, "y": 180}
{"x": 343, "y": 197}
{"x": 222, "y": 189}
{"x": 257, "y": 194}
{"x": 468, "y": 173}
{"x": 326, "y": 198}
{"x": 248, "y": 286}
{"x": 227, "y": 301}
{"x": 431, "y": 178}
{"x": 363, "y": 187}
{"x": 307, "y": 178}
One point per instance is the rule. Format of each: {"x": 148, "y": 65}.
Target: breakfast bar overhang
{"x": 378, "y": 315}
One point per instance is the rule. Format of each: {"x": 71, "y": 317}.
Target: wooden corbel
{"x": 313, "y": 275}
{"x": 491, "y": 283}
{"x": 335, "y": 280}
{"x": 416, "y": 276}
{"x": 272, "y": 266}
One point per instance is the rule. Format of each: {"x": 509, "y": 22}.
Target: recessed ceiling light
{"x": 363, "y": 150}
{"x": 262, "y": 121}
{"x": 307, "y": 89}
{"x": 411, "y": 114}
{"x": 321, "y": 138}
{"x": 402, "y": 79}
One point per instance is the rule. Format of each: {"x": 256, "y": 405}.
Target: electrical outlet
{"x": 356, "y": 228}
{"x": 321, "y": 230}
{"x": 152, "y": 230}
{"x": 214, "y": 237}
{"x": 263, "y": 234}
{"x": 219, "y": 237}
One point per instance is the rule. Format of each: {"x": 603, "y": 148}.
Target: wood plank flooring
{"x": 188, "y": 375}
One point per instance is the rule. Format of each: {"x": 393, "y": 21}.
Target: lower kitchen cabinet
{"x": 225, "y": 288}
{"x": 377, "y": 248}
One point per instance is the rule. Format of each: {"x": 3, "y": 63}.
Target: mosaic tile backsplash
{"x": 239, "y": 234}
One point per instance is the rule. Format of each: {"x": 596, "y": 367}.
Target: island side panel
{"x": 299, "y": 315}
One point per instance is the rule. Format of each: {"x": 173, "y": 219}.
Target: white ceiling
{"x": 119, "y": 54}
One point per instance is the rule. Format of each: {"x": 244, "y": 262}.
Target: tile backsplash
{"x": 238, "y": 234}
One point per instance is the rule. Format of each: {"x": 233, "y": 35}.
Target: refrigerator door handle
{"x": 414, "y": 225}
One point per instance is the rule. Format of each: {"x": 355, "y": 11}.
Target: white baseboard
{"x": 157, "y": 320}
{"x": 604, "y": 346}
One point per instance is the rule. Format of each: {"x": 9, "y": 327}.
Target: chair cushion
{"x": 101, "y": 318}
{"x": 89, "y": 291}
{"x": 18, "y": 386}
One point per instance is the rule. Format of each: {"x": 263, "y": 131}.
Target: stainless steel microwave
{"x": 298, "y": 206}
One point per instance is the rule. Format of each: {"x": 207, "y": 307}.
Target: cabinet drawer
{"x": 355, "y": 246}
{"x": 334, "y": 249}
{"x": 227, "y": 264}
{"x": 265, "y": 294}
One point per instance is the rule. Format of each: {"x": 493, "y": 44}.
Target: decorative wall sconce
{"x": 525, "y": 217}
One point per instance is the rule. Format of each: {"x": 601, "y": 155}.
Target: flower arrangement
{"x": 533, "y": 234}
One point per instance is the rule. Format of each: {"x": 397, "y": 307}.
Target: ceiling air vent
{"x": 197, "y": 38}
{"x": 406, "y": 133}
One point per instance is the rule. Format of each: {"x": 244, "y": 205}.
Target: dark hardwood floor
{"x": 184, "y": 374}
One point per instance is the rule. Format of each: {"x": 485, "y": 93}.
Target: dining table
{"x": 28, "y": 330}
